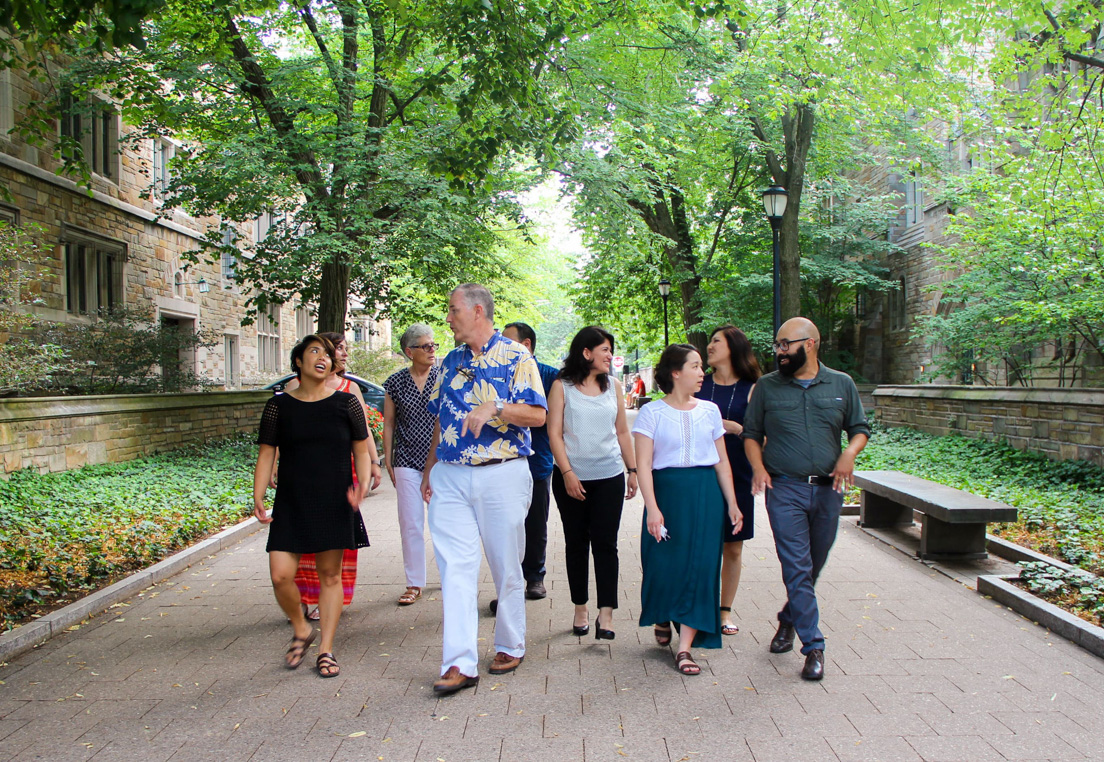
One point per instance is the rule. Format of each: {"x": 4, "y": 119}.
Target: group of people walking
{"x": 483, "y": 437}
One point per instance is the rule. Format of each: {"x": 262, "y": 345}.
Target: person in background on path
{"x": 638, "y": 389}
{"x": 407, "y": 433}
{"x": 592, "y": 445}
{"x": 540, "y": 468}
{"x": 478, "y": 485}
{"x": 686, "y": 483}
{"x": 317, "y": 507}
{"x": 306, "y": 577}
{"x": 800, "y": 411}
{"x": 735, "y": 371}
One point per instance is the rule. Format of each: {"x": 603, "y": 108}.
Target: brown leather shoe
{"x": 504, "y": 663}
{"x": 452, "y": 681}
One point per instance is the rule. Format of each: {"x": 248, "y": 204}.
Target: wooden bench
{"x": 953, "y": 521}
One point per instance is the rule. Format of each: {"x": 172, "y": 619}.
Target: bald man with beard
{"x": 792, "y": 439}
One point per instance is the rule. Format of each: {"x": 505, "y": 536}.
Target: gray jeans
{"x": 804, "y": 518}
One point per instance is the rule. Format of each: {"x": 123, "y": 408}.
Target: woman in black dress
{"x": 317, "y": 505}
{"x": 735, "y": 371}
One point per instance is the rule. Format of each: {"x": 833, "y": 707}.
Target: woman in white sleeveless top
{"x": 591, "y": 444}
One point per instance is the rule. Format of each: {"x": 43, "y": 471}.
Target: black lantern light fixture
{"x": 774, "y": 203}
{"x": 665, "y": 292}
{"x": 204, "y": 286}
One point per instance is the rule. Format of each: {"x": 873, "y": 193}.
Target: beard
{"x": 790, "y": 364}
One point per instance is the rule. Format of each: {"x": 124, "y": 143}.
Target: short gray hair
{"x": 474, "y": 294}
{"x": 412, "y": 333}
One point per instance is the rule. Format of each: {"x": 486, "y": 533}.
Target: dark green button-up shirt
{"x": 802, "y": 426}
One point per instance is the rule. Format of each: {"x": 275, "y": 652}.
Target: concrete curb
{"x": 1072, "y": 628}
{"x": 35, "y": 633}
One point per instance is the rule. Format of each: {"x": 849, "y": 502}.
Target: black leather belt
{"x": 820, "y": 481}
{"x": 493, "y": 462}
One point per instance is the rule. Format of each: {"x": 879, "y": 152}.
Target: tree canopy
{"x": 390, "y": 145}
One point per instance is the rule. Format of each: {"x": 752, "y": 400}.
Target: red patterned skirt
{"x": 306, "y": 577}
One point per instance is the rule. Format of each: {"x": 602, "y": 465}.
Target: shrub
{"x": 72, "y": 531}
{"x": 374, "y": 364}
{"x": 126, "y": 351}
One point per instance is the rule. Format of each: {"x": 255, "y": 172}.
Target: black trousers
{"x": 536, "y": 533}
{"x": 590, "y": 526}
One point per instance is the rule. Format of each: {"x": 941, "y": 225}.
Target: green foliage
{"x": 373, "y": 364}
{"x": 1075, "y": 590}
{"x": 25, "y": 365}
{"x": 1060, "y": 504}
{"x": 686, "y": 115}
{"x": 124, "y": 351}
{"x": 38, "y": 23}
{"x": 65, "y": 533}
{"x": 379, "y": 135}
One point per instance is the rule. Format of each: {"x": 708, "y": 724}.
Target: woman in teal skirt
{"x": 686, "y": 482}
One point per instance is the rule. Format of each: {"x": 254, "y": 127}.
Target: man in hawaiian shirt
{"x": 478, "y": 485}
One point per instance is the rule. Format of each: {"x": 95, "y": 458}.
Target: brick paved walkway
{"x": 919, "y": 668}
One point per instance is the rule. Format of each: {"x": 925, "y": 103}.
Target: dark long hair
{"x": 576, "y": 367}
{"x": 741, "y": 355}
{"x": 335, "y": 338}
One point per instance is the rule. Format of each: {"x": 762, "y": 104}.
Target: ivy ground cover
{"x": 1061, "y": 503}
{"x": 64, "y": 534}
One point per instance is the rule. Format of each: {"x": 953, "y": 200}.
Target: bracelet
{"x": 631, "y": 470}
{"x": 568, "y": 471}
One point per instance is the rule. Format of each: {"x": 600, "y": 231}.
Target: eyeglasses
{"x": 466, "y": 372}
{"x": 783, "y": 345}
{"x": 430, "y": 347}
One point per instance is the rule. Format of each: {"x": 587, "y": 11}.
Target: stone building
{"x": 886, "y": 348}
{"x": 117, "y": 244}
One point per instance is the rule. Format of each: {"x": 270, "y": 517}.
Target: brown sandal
{"x": 298, "y": 649}
{"x": 685, "y": 664}
{"x": 412, "y": 594}
{"x": 662, "y": 634}
{"x": 328, "y": 663}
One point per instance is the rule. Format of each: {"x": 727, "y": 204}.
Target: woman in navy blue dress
{"x": 735, "y": 371}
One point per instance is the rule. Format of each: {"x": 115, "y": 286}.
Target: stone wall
{"x": 60, "y": 433}
{"x": 1064, "y": 424}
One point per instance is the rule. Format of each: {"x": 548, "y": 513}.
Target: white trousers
{"x": 408, "y": 485}
{"x": 468, "y": 504}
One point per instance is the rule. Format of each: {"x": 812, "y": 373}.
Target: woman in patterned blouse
{"x": 407, "y": 434}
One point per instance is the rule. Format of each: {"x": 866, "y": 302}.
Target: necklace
{"x": 728, "y": 409}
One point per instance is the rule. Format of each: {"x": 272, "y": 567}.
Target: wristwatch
{"x": 499, "y": 404}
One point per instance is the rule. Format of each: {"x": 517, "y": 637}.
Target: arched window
{"x": 178, "y": 284}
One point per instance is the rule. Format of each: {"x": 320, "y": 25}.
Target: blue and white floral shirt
{"x": 504, "y": 370}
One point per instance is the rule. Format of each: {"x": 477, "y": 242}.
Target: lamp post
{"x": 774, "y": 202}
{"x": 665, "y": 292}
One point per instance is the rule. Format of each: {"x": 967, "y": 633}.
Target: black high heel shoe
{"x": 580, "y": 630}
{"x": 600, "y": 633}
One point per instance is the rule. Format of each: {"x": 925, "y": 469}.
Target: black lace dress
{"x": 312, "y": 512}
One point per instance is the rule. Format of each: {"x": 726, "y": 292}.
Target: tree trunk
{"x": 797, "y": 128}
{"x": 333, "y": 297}
{"x": 691, "y": 313}
{"x": 797, "y": 125}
